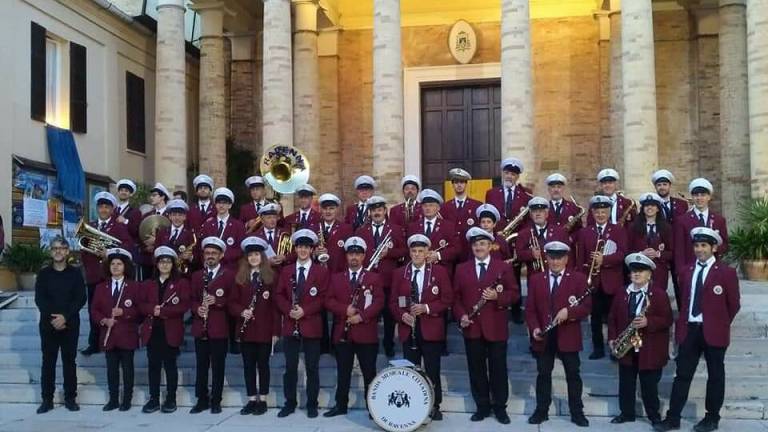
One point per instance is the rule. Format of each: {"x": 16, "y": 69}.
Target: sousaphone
{"x": 285, "y": 168}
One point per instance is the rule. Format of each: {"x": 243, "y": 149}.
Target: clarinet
{"x": 572, "y": 302}
{"x": 414, "y": 300}
{"x": 206, "y": 281}
{"x": 296, "y": 332}
{"x": 480, "y": 303}
{"x": 355, "y": 298}
{"x": 251, "y": 306}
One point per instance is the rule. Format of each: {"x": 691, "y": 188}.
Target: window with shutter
{"x": 78, "y": 103}
{"x": 38, "y": 81}
{"x": 134, "y": 100}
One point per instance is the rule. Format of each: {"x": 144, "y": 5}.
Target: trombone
{"x": 538, "y": 263}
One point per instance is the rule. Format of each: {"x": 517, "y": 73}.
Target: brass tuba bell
{"x": 94, "y": 241}
{"x": 285, "y": 168}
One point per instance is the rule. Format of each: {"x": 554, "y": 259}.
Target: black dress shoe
{"x": 286, "y": 411}
{"x": 436, "y": 415}
{"x": 153, "y": 405}
{"x": 261, "y": 408}
{"x": 126, "y": 405}
{"x": 335, "y": 411}
{"x": 621, "y": 418}
{"x": 538, "y": 417}
{"x": 112, "y": 405}
{"x": 579, "y": 420}
{"x": 502, "y": 416}
{"x": 654, "y": 420}
{"x": 667, "y": 425}
{"x": 216, "y": 408}
{"x": 479, "y": 416}
{"x": 596, "y": 355}
{"x": 71, "y": 405}
{"x": 44, "y": 407}
{"x": 169, "y": 405}
{"x": 89, "y": 351}
{"x": 706, "y": 425}
{"x": 312, "y": 412}
{"x": 199, "y": 407}
{"x": 249, "y": 408}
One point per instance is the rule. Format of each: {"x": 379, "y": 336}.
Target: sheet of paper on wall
{"x": 48, "y": 234}
{"x": 71, "y": 235}
{"x": 35, "y": 212}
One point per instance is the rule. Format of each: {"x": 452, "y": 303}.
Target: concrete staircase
{"x": 746, "y": 369}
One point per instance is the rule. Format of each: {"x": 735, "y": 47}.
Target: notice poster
{"x": 35, "y": 212}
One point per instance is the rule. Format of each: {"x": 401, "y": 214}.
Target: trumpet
{"x": 508, "y": 232}
{"x": 379, "y": 252}
{"x": 538, "y": 263}
{"x": 572, "y": 302}
{"x": 594, "y": 268}
{"x": 322, "y": 257}
{"x": 181, "y": 263}
{"x": 94, "y": 241}
{"x": 573, "y": 220}
{"x": 253, "y": 225}
{"x": 630, "y": 338}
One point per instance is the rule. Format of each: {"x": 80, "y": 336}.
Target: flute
{"x": 109, "y": 329}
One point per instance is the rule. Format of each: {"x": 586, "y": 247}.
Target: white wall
{"x": 113, "y": 47}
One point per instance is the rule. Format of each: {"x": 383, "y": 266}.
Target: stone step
{"x": 452, "y": 401}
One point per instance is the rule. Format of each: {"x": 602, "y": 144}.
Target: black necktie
{"x": 701, "y": 220}
{"x": 428, "y": 231}
{"x": 542, "y": 231}
{"x": 258, "y": 207}
{"x": 116, "y": 291}
{"x": 651, "y": 231}
{"x": 175, "y": 235}
{"x": 668, "y": 210}
{"x": 508, "y": 203}
{"x": 696, "y": 309}
{"x": 376, "y": 235}
{"x": 415, "y": 285}
{"x": 254, "y": 278}
{"x": 102, "y": 225}
{"x": 326, "y": 232}
{"x": 300, "y": 281}
{"x": 269, "y": 237}
{"x": 158, "y": 212}
{"x": 599, "y": 232}
{"x": 483, "y": 270}
{"x": 634, "y": 298}
{"x": 558, "y": 208}
{"x": 210, "y": 275}
{"x": 460, "y": 204}
{"x": 221, "y": 229}
{"x": 555, "y": 284}
{"x": 202, "y": 208}
{"x": 353, "y": 279}
{"x": 303, "y": 221}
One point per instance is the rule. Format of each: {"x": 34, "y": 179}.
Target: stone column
{"x": 306, "y": 100}
{"x": 734, "y": 109}
{"x": 757, "y": 61}
{"x": 387, "y": 97}
{"x": 517, "y": 134}
{"x": 616, "y": 99}
{"x": 213, "y": 123}
{"x": 170, "y": 100}
{"x": 330, "y": 168}
{"x": 277, "y": 81}
{"x": 227, "y": 86}
{"x": 243, "y": 98}
{"x": 639, "y": 95}
{"x": 606, "y": 128}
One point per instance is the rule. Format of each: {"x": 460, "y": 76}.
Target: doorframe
{"x": 414, "y": 79}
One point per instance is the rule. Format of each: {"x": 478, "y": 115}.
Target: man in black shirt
{"x": 59, "y": 295}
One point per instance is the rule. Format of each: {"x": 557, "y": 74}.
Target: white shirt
{"x": 419, "y": 277}
{"x": 600, "y": 228}
{"x": 327, "y": 226}
{"x": 119, "y": 284}
{"x": 176, "y": 231}
{"x": 704, "y": 213}
{"x": 121, "y": 208}
{"x": 102, "y": 223}
{"x": 614, "y": 207}
{"x": 460, "y": 200}
{"x": 552, "y": 279}
{"x": 486, "y": 261}
{"x": 225, "y": 219}
{"x": 631, "y": 288}
{"x": 160, "y": 210}
{"x": 432, "y": 221}
{"x": 307, "y": 264}
{"x": 214, "y": 270}
{"x": 696, "y": 269}
{"x": 358, "y": 271}
{"x": 206, "y": 203}
{"x": 509, "y": 192}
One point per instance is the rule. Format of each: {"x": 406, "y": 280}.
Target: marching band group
{"x": 266, "y": 275}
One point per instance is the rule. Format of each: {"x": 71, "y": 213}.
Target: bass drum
{"x": 400, "y": 399}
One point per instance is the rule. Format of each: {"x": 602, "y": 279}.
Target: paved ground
{"x": 22, "y": 417}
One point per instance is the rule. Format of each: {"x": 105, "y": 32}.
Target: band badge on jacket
{"x": 718, "y": 290}
{"x": 435, "y": 290}
{"x": 220, "y": 292}
{"x": 265, "y": 295}
{"x": 313, "y": 291}
{"x": 128, "y": 303}
{"x": 175, "y": 300}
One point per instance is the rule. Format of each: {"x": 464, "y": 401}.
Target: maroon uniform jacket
{"x": 262, "y": 233}
{"x": 338, "y": 234}
{"x": 500, "y": 250}
{"x": 388, "y": 264}
{"x": 682, "y": 229}
{"x": 567, "y": 210}
{"x": 266, "y": 319}
{"x": 146, "y": 257}
{"x": 444, "y": 232}
{"x": 720, "y": 302}
{"x": 233, "y": 234}
{"x": 623, "y": 203}
{"x": 350, "y": 214}
{"x": 679, "y": 208}
{"x": 134, "y": 217}
{"x": 196, "y": 218}
{"x": 612, "y": 271}
{"x": 655, "y": 350}
{"x": 490, "y": 323}
{"x": 437, "y": 294}
{"x": 125, "y": 332}
{"x": 524, "y": 243}
{"x": 496, "y": 196}
{"x": 541, "y": 306}
{"x": 662, "y": 242}
{"x": 220, "y": 287}
{"x": 463, "y": 220}
{"x": 313, "y": 220}
{"x": 186, "y": 238}
{"x": 370, "y": 302}
{"x": 311, "y": 299}
{"x": 397, "y": 214}
{"x": 92, "y": 263}
{"x": 174, "y": 304}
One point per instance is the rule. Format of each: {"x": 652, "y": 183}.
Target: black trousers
{"x": 118, "y": 359}
{"x": 210, "y": 353}
{"x": 256, "y": 357}
{"x": 516, "y": 309}
{"x": 93, "y": 333}
{"x": 545, "y": 362}
{"x": 345, "y": 359}
{"x": 161, "y": 356}
{"x": 431, "y": 353}
{"x": 389, "y": 328}
{"x": 676, "y": 286}
{"x": 488, "y": 378}
{"x": 327, "y": 320}
{"x": 311, "y": 348}
{"x": 601, "y": 305}
{"x": 688, "y": 356}
{"x": 649, "y": 389}
{"x": 51, "y": 342}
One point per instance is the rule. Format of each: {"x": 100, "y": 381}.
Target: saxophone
{"x": 630, "y": 338}
{"x": 573, "y": 220}
{"x": 509, "y": 231}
